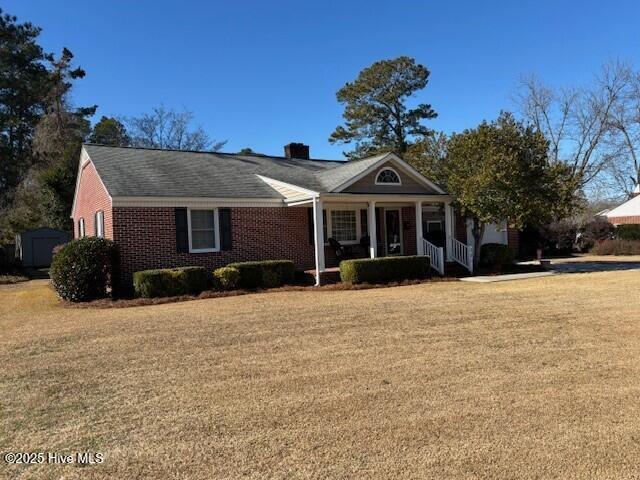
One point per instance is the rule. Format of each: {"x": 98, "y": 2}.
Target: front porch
{"x": 342, "y": 226}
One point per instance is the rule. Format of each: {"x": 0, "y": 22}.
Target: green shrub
{"x": 558, "y": 236}
{"x": 169, "y": 282}
{"x": 385, "y": 269}
{"x": 595, "y": 232}
{"x": 226, "y": 278}
{"x": 617, "y": 247}
{"x": 271, "y": 278}
{"x": 265, "y": 274}
{"x": 496, "y": 255}
{"x": 85, "y": 269}
{"x": 628, "y": 232}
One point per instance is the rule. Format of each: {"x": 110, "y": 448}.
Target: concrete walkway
{"x": 581, "y": 264}
{"x": 505, "y": 278}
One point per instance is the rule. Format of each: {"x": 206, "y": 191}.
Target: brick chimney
{"x": 296, "y": 150}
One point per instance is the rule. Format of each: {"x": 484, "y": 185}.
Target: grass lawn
{"x": 528, "y": 379}
{"x": 10, "y": 279}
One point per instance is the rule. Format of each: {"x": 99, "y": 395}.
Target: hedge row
{"x": 170, "y": 282}
{"x": 628, "y": 232}
{"x": 226, "y": 278}
{"x": 617, "y": 247}
{"x": 265, "y": 274}
{"x": 384, "y": 269}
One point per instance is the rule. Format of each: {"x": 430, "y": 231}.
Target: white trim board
{"x": 384, "y": 197}
{"x": 83, "y": 163}
{"x": 195, "y": 202}
{"x": 204, "y": 202}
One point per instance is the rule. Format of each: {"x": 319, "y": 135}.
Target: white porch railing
{"x": 436, "y": 256}
{"x": 463, "y": 254}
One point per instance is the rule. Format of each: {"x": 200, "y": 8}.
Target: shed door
{"x": 42, "y": 248}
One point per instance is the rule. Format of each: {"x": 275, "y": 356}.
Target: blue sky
{"x": 261, "y": 74}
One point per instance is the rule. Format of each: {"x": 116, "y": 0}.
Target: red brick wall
{"x": 409, "y": 234}
{"x": 146, "y": 238}
{"x": 91, "y": 198}
{"x": 624, "y": 220}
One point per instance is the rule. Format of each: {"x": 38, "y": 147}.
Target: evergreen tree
{"x": 24, "y": 82}
{"x": 501, "y": 171}
{"x": 58, "y": 139}
{"x": 377, "y": 117}
{"x": 110, "y": 131}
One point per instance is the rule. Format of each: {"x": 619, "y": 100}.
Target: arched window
{"x": 388, "y": 176}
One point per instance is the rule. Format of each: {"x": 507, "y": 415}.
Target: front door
{"x": 393, "y": 231}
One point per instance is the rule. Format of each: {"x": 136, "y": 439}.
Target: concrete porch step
{"x": 330, "y": 275}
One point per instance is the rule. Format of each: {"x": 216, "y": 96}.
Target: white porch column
{"x": 419, "y": 234}
{"x": 371, "y": 223}
{"x": 318, "y": 237}
{"x": 449, "y": 225}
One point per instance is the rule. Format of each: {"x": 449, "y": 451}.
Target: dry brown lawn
{"x": 528, "y": 379}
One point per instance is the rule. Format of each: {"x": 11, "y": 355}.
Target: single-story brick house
{"x": 628, "y": 212}
{"x": 166, "y": 208}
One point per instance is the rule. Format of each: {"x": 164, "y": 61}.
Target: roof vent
{"x": 296, "y": 150}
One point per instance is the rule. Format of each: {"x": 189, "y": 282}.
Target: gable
{"x": 409, "y": 183}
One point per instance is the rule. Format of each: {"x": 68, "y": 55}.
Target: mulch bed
{"x": 139, "y": 302}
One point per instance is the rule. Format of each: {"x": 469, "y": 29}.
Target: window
{"x": 344, "y": 226}
{"x": 388, "y": 176}
{"x": 99, "y": 224}
{"x": 203, "y": 231}
{"x": 434, "y": 226}
{"x": 81, "y": 232}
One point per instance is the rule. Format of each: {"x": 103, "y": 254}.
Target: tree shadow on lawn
{"x": 594, "y": 266}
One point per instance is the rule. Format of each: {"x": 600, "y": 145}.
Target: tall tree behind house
{"x": 376, "y": 112}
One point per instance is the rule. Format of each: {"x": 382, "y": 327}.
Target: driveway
{"x": 592, "y": 263}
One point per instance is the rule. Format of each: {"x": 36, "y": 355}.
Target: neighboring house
{"x": 171, "y": 208}
{"x": 34, "y": 248}
{"x": 628, "y": 212}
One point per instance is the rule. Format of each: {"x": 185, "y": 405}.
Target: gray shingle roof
{"x": 332, "y": 178}
{"x": 136, "y": 172}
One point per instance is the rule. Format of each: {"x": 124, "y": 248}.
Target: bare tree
{"x": 576, "y": 121}
{"x": 623, "y": 137}
{"x": 169, "y": 129}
